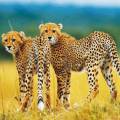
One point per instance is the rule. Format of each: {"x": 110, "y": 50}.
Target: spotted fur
{"x": 97, "y": 50}
{"x": 32, "y": 55}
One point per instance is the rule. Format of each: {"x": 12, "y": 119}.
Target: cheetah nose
{"x": 9, "y": 47}
{"x": 49, "y": 38}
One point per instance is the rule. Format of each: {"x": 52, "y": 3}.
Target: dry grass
{"x": 101, "y": 107}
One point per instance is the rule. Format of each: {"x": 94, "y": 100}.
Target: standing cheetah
{"x": 97, "y": 50}
{"x": 31, "y": 56}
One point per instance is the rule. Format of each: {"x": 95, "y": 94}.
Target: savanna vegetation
{"x": 101, "y": 108}
{"x": 77, "y": 21}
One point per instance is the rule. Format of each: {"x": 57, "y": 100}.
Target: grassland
{"x": 101, "y": 107}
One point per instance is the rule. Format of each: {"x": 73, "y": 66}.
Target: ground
{"x": 101, "y": 108}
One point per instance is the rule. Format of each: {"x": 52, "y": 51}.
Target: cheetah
{"x": 97, "y": 50}
{"x": 32, "y": 55}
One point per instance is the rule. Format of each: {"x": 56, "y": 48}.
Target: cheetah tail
{"x": 115, "y": 58}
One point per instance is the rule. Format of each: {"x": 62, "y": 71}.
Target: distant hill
{"x": 77, "y": 20}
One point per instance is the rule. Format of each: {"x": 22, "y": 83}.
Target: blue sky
{"x": 76, "y": 2}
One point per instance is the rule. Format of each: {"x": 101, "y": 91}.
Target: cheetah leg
{"x": 30, "y": 92}
{"x": 107, "y": 73}
{"x": 60, "y": 88}
{"x": 66, "y": 98}
{"x": 92, "y": 81}
{"x": 25, "y": 90}
{"x": 27, "y": 80}
{"x": 22, "y": 92}
{"x": 47, "y": 82}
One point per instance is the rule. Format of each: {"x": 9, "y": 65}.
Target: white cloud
{"x": 77, "y": 2}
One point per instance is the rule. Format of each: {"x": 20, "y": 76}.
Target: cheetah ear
{"x": 3, "y": 35}
{"x": 22, "y": 34}
{"x": 40, "y": 26}
{"x": 60, "y": 26}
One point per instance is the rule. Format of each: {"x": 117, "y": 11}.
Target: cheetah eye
{"x": 13, "y": 40}
{"x": 46, "y": 31}
{"x": 5, "y": 40}
{"x": 53, "y": 31}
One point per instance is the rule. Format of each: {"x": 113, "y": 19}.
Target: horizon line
{"x": 58, "y": 4}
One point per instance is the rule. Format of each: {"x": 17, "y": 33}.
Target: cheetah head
{"x": 12, "y": 41}
{"x": 51, "y": 32}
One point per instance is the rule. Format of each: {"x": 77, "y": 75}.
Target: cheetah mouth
{"x": 52, "y": 41}
{"x": 9, "y": 50}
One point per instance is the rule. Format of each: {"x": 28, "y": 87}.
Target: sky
{"x": 74, "y": 2}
